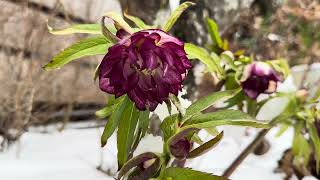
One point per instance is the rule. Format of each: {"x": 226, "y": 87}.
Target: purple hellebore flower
{"x": 259, "y": 77}
{"x": 181, "y": 148}
{"x": 146, "y": 65}
{"x": 141, "y": 167}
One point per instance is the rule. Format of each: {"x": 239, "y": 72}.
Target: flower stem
{"x": 227, "y": 173}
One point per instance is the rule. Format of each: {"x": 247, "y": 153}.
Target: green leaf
{"x": 208, "y": 101}
{"x": 281, "y": 66}
{"x": 80, "y": 28}
{"x": 169, "y": 107}
{"x": 169, "y": 126}
{"x": 316, "y": 142}
{"x": 87, "y": 47}
{"x": 223, "y": 117}
{"x": 195, "y": 138}
{"x": 113, "y": 121}
{"x": 214, "y": 33}
{"x": 236, "y": 99}
{"x": 137, "y": 21}
{"x": 105, "y": 112}
{"x": 96, "y": 72}
{"x": 119, "y": 21}
{"x": 126, "y": 129}
{"x": 175, "y": 15}
{"x": 175, "y": 173}
{"x": 176, "y": 102}
{"x": 195, "y": 52}
{"x": 300, "y": 146}
{"x": 283, "y": 128}
{"x": 213, "y": 131}
{"x": 141, "y": 131}
{"x": 228, "y": 57}
{"x": 144, "y": 122}
{"x": 205, "y": 147}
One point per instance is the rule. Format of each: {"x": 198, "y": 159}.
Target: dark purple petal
{"x": 136, "y": 97}
{"x": 180, "y": 149}
{"x": 122, "y": 34}
{"x": 259, "y": 78}
{"x": 261, "y": 69}
{"x": 104, "y": 85}
{"x": 165, "y": 37}
{"x": 147, "y": 65}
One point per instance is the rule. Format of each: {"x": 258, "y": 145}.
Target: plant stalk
{"x": 228, "y": 172}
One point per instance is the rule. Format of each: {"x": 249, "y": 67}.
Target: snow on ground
{"x": 71, "y": 154}
{"x": 75, "y": 154}
{"x": 254, "y": 167}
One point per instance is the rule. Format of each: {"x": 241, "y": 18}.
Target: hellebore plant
{"x": 145, "y": 66}
{"x": 255, "y": 78}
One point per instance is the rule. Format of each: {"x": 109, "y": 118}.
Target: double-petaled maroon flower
{"x": 258, "y": 78}
{"x": 146, "y": 65}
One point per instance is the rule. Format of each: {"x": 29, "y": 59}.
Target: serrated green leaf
{"x": 119, "y": 21}
{"x": 104, "y": 112}
{"x": 169, "y": 126}
{"x": 214, "y": 33}
{"x": 113, "y": 121}
{"x": 223, "y": 117}
{"x": 87, "y": 47}
{"x": 137, "y": 21}
{"x": 80, "y": 28}
{"x": 195, "y": 52}
{"x": 175, "y": 15}
{"x": 125, "y": 135}
{"x": 175, "y": 173}
{"x": 208, "y": 101}
{"x": 205, "y": 147}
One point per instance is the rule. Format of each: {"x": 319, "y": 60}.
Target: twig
{"x": 305, "y": 74}
{"x": 227, "y": 173}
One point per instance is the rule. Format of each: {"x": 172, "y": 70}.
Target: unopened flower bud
{"x": 302, "y": 94}
{"x": 181, "y": 148}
